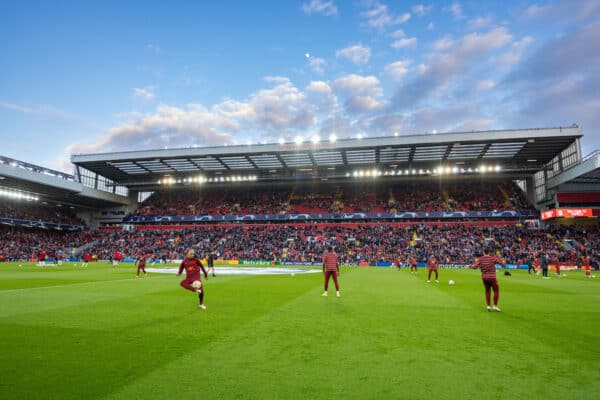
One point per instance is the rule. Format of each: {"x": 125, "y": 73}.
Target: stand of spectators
{"x": 354, "y": 198}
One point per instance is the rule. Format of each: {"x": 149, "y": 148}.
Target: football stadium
{"x": 81, "y": 320}
{"x": 310, "y": 199}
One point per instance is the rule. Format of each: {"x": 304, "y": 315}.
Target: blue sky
{"x": 109, "y": 76}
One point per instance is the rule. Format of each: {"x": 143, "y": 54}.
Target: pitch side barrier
{"x": 318, "y": 224}
{"x": 529, "y": 214}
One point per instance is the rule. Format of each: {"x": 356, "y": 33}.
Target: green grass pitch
{"x": 100, "y": 333}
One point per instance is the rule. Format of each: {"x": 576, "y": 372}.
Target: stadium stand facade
{"x": 377, "y": 200}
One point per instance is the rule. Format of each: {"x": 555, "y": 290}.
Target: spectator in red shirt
{"x": 331, "y": 269}
{"x": 487, "y": 263}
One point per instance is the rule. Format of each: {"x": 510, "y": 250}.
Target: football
{"x": 451, "y": 282}
{"x": 196, "y": 284}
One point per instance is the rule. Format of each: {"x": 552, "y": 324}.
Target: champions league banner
{"x": 40, "y": 224}
{"x": 337, "y": 217}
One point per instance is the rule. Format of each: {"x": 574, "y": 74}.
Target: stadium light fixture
{"x": 421, "y": 172}
{"x": 498, "y": 168}
{"x": 396, "y": 134}
{"x": 332, "y": 138}
{"x": 361, "y": 173}
{"x": 414, "y": 171}
{"x": 298, "y": 140}
{"x": 281, "y": 141}
{"x": 315, "y": 139}
{"x": 359, "y": 136}
{"x": 455, "y": 170}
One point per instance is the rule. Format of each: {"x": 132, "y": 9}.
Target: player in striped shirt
{"x": 331, "y": 269}
{"x": 487, "y": 263}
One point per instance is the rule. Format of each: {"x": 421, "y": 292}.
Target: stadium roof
{"x": 54, "y": 186}
{"x": 519, "y": 152}
{"x": 585, "y": 174}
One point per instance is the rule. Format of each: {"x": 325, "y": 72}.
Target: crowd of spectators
{"x": 22, "y": 244}
{"x": 370, "y": 243}
{"x": 355, "y": 198}
{"x": 355, "y": 243}
{"x": 39, "y": 212}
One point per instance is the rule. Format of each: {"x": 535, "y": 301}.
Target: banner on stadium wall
{"x": 383, "y": 264}
{"x": 40, "y": 224}
{"x": 563, "y": 267}
{"x": 567, "y": 213}
{"x": 308, "y": 263}
{"x": 340, "y": 216}
{"x": 254, "y": 262}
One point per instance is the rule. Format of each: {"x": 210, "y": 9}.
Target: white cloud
{"x": 430, "y": 26}
{"x": 513, "y": 55}
{"x": 41, "y": 110}
{"x": 456, "y": 10}
{"x": 534, "y": 11}
{"x": 480, "y": 22}
{"x": 320, "y": 87}
{"x": 279, "y": 108}
{"x": 317, "y": 64}
{"x": 421, "y": 9}
{"x": 326, "y": 8}
{"x": 563, "y": 11}
{"x": 397, "y": 69}
{"x": 485, "y": 84}
{"x": 358, "y": 54}
{"x": 361, "y": 92}
{"x": 353, "y": 85}
{"x": 378, "y": 16}
{"x": 397, "y": 34}
{"x": 276, "y": 79}
{"x": 145, "y": 93}
{"x": 456, "y": 58}
{"x": 404, "y": 42}
{"x": 443, "y": 44}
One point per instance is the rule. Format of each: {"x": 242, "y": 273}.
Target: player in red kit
{"x": 412, "y": 260}
{"x": 331, "y": 269}
{"x": 141, "y": 264}
{"x": 42, "y": 257}
{"x": 116, "y": 258}
{"x": 193, "y": 266}
{"x": 432, "y": 266}
{"x": 487, "y": 263}
{"x": 86, "y": 259}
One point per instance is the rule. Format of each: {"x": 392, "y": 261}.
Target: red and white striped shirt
{"x": 488, "y": 266}
{"x": 330, "y": 262}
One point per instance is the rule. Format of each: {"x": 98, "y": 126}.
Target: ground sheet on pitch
{"x": 243, "y": 271}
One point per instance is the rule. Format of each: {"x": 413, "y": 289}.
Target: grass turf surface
{"x": 100, "y": 333}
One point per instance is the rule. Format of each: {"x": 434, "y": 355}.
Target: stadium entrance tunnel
{"x": 244, "y": 271}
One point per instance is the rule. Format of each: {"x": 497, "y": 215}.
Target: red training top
{"x": 330, "y": 262}
{"x": 192, "y": 267}
{"x": 432, "y": 263}
{"x": 488, "y": 266}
